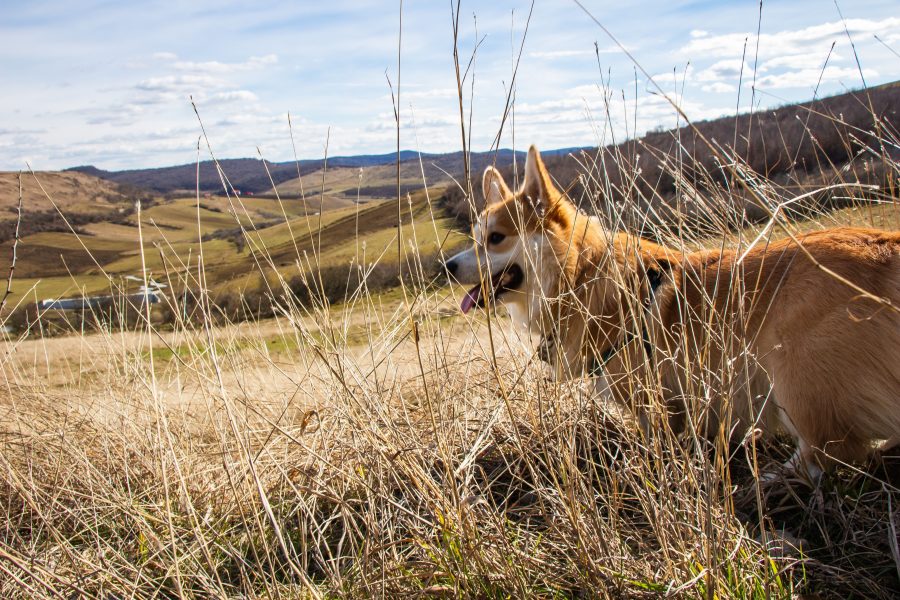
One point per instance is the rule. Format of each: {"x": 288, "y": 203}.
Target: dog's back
{"x": 820, "y": 316}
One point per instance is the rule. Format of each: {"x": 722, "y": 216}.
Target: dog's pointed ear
{"x": 493, "y": 187}
{"x": 538, "y": 188}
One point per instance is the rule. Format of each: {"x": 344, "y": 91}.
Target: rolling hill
{"x": 244, "y": 243}
{"x": 72, "y": 192}
{"x": 847, "y": 138}
{"x": 81, "y": 198}
{"x": 249, "y": 175}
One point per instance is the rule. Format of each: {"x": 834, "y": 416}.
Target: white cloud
{"x": 213, "y": 66}
{"x": 181, "y": 83}
{"x": 114, "y": 115}
{"x": 803, "y": 60}
{"x": 232, "y": 96}
{"x": 787, "y": 42}
{"x": 420, "y": 118}
{"x": 810, "y": 77}
{"x": 723, "y": 69}
{"x": 788, "y": 59}
{"x": 583, "y": 115}
{"x": 718, "y": 88}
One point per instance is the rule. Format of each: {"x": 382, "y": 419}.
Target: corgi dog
{"x": 801, "y": 334}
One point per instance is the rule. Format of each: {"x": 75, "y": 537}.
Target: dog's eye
{"x": 496, "y": 238}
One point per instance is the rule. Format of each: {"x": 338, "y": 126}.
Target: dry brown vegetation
{"x": 320, "y": 457}
{"x": 364, "y": 442}
{"x": 384, "y": 447}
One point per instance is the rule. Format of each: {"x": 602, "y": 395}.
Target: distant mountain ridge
{"x": 249, "y": 174}
{"x": 775, "y": 142}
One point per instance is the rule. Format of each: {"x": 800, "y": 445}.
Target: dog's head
{"x": 510, "y": 238}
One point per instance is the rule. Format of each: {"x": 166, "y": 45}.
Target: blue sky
{"x": 108, "y": 83}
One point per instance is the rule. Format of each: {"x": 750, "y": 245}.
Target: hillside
{"x": 245, "y": 174}
{"x": 249, "y": 174}
{"x": 244, "y": 243}
{"x": 80, "y": 197}
{"x": 797, "y": 148}
{"x": 72, "y": 192}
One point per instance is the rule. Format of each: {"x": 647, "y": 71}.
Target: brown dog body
{"x": 803, "y": 333}
{"x": 815, "y": 315}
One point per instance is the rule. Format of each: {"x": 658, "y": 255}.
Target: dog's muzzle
{"x": 505, "y": 280}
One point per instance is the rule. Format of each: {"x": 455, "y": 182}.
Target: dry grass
{"x": 387, "y": 447}
{"x": 383, "y": 448}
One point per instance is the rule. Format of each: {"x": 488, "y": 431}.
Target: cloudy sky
{"x": 109, "y": 83}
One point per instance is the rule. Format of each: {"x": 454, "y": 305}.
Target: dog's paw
{"x": 795, "y": 468}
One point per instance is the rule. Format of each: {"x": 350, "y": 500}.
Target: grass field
{"x": 385, "y": 446}
{"x": 276, "y": 234}
{"x": 342, "y": 185}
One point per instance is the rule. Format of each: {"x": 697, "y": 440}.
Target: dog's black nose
{"x": 450, "y": 267}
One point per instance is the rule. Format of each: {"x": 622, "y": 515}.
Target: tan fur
{"x": 832, "y": 355}
{"x": 724, "y": 335}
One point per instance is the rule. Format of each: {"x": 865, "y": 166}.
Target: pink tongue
{"x": 470, "y": 299}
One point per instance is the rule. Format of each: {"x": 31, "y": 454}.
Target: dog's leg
{"x": 803, "y": 462}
